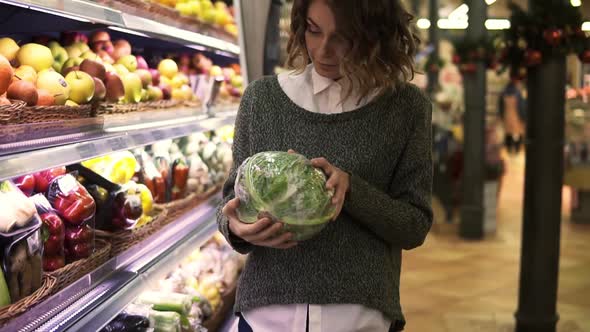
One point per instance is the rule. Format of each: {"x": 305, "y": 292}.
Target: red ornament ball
{"x": 533, "y": 58}
{"x": 456, "y": 59}
{"x": 553, "y": 36}
{"x": 585, "y": 56}
{"x": 469, "y": 68}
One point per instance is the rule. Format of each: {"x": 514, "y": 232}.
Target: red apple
{"x": 23, "y": 90}
{"x": 6, "y": 74}
{"x": 93, "y": 68}
{"x": 114, "y": 86}
{"x": 45, "y": 98}
{"x": 122, "y": 48}
{"x": 155, "y": 76}
{"x": 141, "y": 63}
{"x": 100, "y": 91}
{"x": 166, "y": 90}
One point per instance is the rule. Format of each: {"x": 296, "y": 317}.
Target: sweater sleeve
{"x": 402, "y": 216}
{"x": 241, "y": 151}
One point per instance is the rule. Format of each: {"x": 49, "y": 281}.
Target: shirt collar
{"x": 319, "y": 82}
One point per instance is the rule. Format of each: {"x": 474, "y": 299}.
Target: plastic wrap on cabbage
{"x": 287, "y": 188}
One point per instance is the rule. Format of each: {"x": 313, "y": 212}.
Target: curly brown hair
{"x": 382, "y": 43}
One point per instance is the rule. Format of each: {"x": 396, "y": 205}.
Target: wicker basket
{"x": 10, "y": 114}
{"x": 107, "y": 109}
{"x": 179, "y": 207}
{"x": 75, "y": 270}
{"x": 11, "y": 311}
{"x": 122, "y": 240}
{"x": 160, "y": 104}
{"x": 35, "y": 114}
{"x": 228, "y": 299}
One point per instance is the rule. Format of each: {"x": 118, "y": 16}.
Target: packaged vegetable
{"x": 180, "y": 171}
{"x": 287, "y": 188}
{"x": 53, "y": 234}
{"x": 71, "y": 200}
{"x": 167, "y": 301}
{"x": 17, "y": 209}
{"x": 165, "y": 321}
{"x": 124, "y": 322}
{"x": 26, "y": 184}
{"x": 152, "y": 179}
{"x": 44, "y": 178}
{"x": 118, "y": 167}
{"x": 162, "y": 164}
{"x": 4, "y": 292}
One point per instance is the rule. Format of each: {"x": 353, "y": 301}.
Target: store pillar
{"x": 252, "y": 20}
{"x": 539, "y": 264}
{"x": 433, "y": 40}
{"x": 472, "y": 210}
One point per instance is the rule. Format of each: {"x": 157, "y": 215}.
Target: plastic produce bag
{"x": 286, "y": 188}
{"x": 76, "y": 207}
{"x": 53, "y": 233}
{"x": 118, "y": 167}
{"x": 152, "y": 179}
{"x": 17, "y": 209}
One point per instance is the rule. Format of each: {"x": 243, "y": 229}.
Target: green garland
{"x": 469, "y": 52}
{"x": 549, "y": 28}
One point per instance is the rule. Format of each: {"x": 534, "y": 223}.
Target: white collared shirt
{"x": 327, "y": 96}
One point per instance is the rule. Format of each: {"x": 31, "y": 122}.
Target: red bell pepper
{"x": 53, "y": 226}
{"x": 44, "y": 178}
{"x": 52, "y": 263}
{"x": 179, "y": 179}
{"x": 78, "y": 234}
{"x": 75, "y": 205}
{"x": 26, "y": 184}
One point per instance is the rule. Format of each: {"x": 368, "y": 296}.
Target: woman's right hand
{"x": 263, "y": 232}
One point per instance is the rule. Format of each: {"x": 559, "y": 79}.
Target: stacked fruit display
{"x": 217, "y": 14}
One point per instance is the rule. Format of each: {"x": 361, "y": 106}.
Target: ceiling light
{"x": 445, "y": 23}
{"x": 576, "y": 3}
{"x": 490, "y": 2}
{"x": 586, "y": 26}
{"x": 497, "y": 24}
{"x": 423, "y": 23}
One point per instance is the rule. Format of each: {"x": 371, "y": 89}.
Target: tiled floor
{"x": 450, "y": 284}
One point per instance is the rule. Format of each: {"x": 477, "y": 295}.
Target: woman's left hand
{"x": 338, "y": 180}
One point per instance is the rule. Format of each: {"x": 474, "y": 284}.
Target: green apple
{"x": 129, "y": 61}
{"x": 81, "y": 86}
{"x": 55, "y": 84}
{"x": 168, "y": 68}
{"x": 35, "y": 55}
{"x": 90, "y": 55}
{"x": 60, "y": 56}
{"x": 155, "y": 93}
{"x": 73, "y": 51}
{"x": 53, "y": 44}
{"x": 83, "y": 47}
{"x": 8, "y": 48}
{"x": 132, "y": 84}
{"x": 71, "y": 62}
{"x": 121, "y": 69}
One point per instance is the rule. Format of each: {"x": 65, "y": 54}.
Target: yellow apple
{"x": 121, "y": 69}
{"x": 183, "y": 9}
{"x": 25, "y": 73}
{"x": 35, "y": 55}
{"x": 55, "y": 84}
{"x": 165, "y": 80}
{"x": 71, "y": 103}
{"x": 129, "y": 61}
{"x": 168, "y": 68}
{"x": 81, "y": 86}
{"x": 176, "y": 82}
{"x": 8, "y": 48}
{"x": 132, "y": 84}
{"x": 215, "y": 71}
{"x": 73, "y": 51}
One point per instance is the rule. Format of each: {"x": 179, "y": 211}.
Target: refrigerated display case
{"x": 93, "y": 300}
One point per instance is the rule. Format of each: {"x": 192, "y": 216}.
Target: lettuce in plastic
{"x": 287, "y": 188}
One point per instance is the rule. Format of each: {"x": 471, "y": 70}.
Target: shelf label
{"x": 158, "y": 135}
{"x": 138, "y": 138}
{"x": 87, "y": 150}
{"x": 117, "y": 144}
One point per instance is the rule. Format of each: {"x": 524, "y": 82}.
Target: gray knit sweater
{"x": 386, "y": 146}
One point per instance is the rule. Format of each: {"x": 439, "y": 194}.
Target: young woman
{"x": 348, "y": 107}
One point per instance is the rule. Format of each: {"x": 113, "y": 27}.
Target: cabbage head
{"x": 287, "y": 188}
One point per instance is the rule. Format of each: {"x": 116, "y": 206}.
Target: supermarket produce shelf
{"x": 90, "y": 12}
{"x": 91, "y": 302}
{"x": 116, "y": 133}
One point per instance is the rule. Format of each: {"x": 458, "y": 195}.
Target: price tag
{"x": 138, "y": 138}
{"x": 117, "y": 143}
{"x": 87, "y": 150}
{"x": 158, "y": 135}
